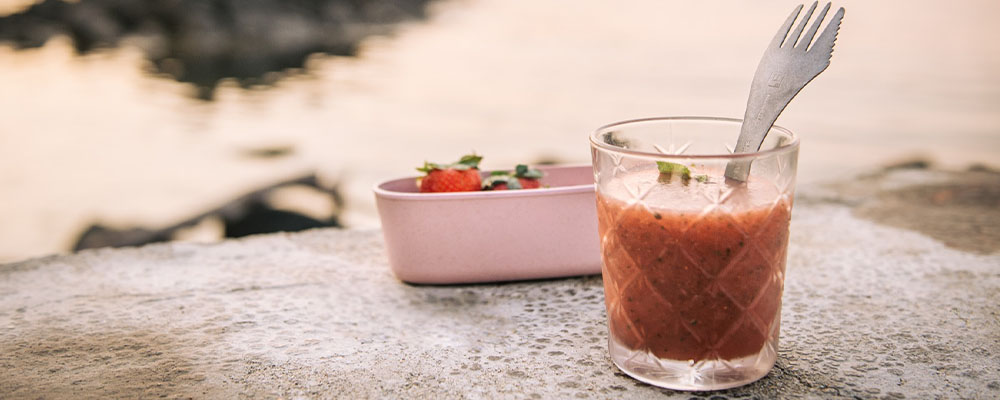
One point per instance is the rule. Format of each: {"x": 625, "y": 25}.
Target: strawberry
{"x": 522, "y": 178}
{"x": 528, "y": 177}
{"x": 461, "y": 176}
{"x": 500, "y": 180}
{"x": 529, "y": 183}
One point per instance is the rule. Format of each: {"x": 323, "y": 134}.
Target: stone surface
{"x": 871, "y": 311}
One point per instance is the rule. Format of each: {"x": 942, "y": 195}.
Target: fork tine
{"x": 779, "y": 38}
{"x": 804, "y": 41}
{"x": 802, "y": 25}
{"x": 829, "y": 35}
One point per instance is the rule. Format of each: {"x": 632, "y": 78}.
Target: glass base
{"x": 689, "y": 375}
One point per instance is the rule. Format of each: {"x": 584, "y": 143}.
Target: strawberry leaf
{"x": 470, "y": 160}
{"x": 522, "y": 171}
{"x": 495, "y": 179}
{"x": 429, "y": 166}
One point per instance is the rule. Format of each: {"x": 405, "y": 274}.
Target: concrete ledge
{"x": 871, "y": 310}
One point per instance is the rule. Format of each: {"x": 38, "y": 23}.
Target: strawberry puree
{"x": 697, "y": 283}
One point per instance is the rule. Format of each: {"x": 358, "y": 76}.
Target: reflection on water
{"x": 92, "y": 137}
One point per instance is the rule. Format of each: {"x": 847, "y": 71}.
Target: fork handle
{"x": 766, "y": 102}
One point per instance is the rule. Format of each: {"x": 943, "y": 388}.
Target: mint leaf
{"x": 669, "y": 168}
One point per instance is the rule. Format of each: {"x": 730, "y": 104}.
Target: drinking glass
{"x": 693, "y": 263}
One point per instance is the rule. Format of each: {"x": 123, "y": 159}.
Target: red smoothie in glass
{"x": 694, "y": 269}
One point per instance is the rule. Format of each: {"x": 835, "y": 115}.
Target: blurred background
{"x": 129, "y": 121}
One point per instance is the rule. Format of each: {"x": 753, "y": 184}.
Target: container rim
{"x": 596, "y": 141}
{"x": 382, "y": 190}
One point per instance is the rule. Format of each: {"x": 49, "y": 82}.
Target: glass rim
{"x": 594, "y": 139}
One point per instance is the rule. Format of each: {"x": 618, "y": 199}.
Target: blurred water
{"x": 94, "y": 137}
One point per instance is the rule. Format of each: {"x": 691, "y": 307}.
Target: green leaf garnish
{"x": 522, "y": 171}
{"x": 470, "y": 161}
{"x": 429, "y": 166}
{"x": 701, "y": 178}
{"x": 669, "y": 168}
{"x": 501, "y": 177}
{"x": 495, "y": 178}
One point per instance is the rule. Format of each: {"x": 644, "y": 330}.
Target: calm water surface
{"x": 96, "y": 138}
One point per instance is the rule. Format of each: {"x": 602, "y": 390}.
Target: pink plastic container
{"x": 466, "y": 237}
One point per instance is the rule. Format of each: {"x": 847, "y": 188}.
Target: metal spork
{"x": 787, "y": 66}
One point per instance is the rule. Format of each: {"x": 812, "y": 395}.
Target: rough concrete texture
{"x": 871, "y": 311}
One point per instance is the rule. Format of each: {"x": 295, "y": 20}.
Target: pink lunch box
{"x": 467, "y": 237}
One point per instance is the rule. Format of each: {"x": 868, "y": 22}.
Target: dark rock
{"x": 204, "y": 41}
{"x": 263, "y": 219}
{"x": 245, "y": 215}
{"x": 92, "y": 26}
{"x": 982, "y": 168}
{"x": 916, "y": 163}
{"x": 269, "y": 152}
{"x": 98, "y": 235}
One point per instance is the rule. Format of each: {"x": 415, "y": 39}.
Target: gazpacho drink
{"x": 693, "y": 263}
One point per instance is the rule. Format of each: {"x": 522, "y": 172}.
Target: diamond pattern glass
{"x": 693, "y": 264}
